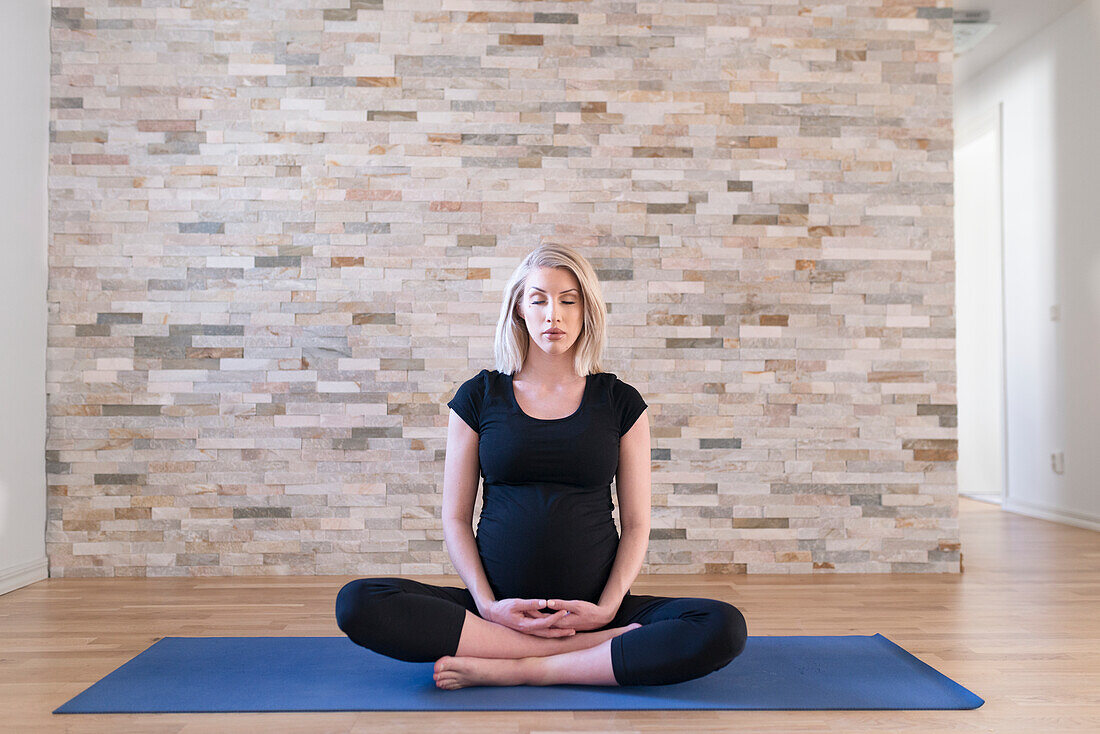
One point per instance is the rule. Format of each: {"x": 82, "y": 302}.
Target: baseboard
{"x": 1076, "y": 519}
{"x": 993, "y": 499}
{"x": 16, "y": 577}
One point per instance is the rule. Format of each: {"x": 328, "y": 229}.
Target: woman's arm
{"x": 632, "y": 483}
{"x": 461, "y": 475}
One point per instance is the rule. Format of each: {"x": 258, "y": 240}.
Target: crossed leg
{"x": 652, "y": 640}
{"x": 665, "y": 640}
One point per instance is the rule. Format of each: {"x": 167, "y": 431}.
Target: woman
{"x": 547, "y": 597}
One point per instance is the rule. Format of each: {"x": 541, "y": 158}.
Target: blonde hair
{"x": 512, "y": 340}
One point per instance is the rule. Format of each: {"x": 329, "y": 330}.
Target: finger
{"x": 526, "y": 604}
{"x": 565, "y": 625}
{"x": 553, "y": 632}
{"x": 535, "y": 614}
{"x": 563, "y": 614}
{"x": 569, "y": 621}
{"x": 547, "y": 621}
{"x": 567, "y": 604}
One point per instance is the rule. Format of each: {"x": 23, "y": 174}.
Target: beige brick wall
{"x": 279, "y": 233}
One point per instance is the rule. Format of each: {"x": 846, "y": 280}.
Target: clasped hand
{"x": 571, "y": 616}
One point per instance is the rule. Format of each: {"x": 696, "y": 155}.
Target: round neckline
{"x": 515, "y": 403}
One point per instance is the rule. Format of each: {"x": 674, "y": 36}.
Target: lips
{"x": 553, "y": 332}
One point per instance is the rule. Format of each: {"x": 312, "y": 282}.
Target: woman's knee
{"x": 726, "y": 632}
{"x": 737, "y": 630}
{"x": 353, "y": 600}
{"x": 396, "y": 618}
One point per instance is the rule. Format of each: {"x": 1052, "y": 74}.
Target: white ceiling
{"x": 1016, "y": 21}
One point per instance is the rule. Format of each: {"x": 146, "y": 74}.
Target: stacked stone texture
{"x": 280, "y": 231}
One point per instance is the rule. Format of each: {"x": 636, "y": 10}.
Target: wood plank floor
{"x": 1020, "y": 627}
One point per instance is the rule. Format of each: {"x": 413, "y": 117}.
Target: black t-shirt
{"x": 546, "y": 529}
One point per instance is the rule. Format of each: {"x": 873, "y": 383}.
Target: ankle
{"x": 532, "y": 671}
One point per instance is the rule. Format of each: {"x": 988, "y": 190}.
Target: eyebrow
{"x": 540, "y": 290}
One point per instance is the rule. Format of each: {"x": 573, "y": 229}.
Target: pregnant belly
{"x": 547, "y": 555}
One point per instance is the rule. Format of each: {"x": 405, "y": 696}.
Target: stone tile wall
{"x": 279, "y": 233}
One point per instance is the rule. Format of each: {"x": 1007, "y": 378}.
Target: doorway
{"x": 979, "y": 307}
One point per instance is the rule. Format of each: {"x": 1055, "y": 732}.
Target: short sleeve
{"x": 629, "y": 404}
{"x": 467, "y": 400}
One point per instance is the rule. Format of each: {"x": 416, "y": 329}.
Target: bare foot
{"x": 459, "y": 672}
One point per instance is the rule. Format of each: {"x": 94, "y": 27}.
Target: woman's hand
{"x": 524, "y": 615}
{"x": 582, "y": 615}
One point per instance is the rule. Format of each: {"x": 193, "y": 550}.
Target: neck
{"x": 547, "y": 369}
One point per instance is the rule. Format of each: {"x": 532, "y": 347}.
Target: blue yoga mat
{"x": 219, "y": 674}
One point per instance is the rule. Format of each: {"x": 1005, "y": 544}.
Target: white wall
{"x": 24, "y": 128}
{"x": 1050, "y": 90}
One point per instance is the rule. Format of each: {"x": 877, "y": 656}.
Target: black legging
{"x": 680, "y": 638}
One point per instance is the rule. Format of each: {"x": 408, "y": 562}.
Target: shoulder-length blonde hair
{"x": 512, "y": 340}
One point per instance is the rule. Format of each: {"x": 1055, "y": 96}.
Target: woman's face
{"x": 552, "y": 300}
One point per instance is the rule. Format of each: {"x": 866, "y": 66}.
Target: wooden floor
{"x": 1020, "y": 627}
